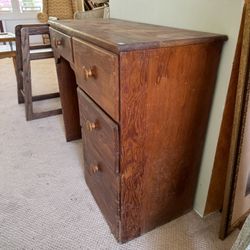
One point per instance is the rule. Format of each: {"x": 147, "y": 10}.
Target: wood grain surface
{"x": 104, "y": 137}
{"x": 101, "y": 152}
{"x": 19, "y": 64}
{"x": 61, "y": 44}
{"x": 68, "y": 95}
{"x": 166, "y": 96}
{"x": 120, "y": 35}
{"x": 147, "y": 109}
{"x": 103, "y": 85}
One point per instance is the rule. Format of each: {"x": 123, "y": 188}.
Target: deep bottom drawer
{"x": 103, "y": 183}
{"x": 101, "y": 158}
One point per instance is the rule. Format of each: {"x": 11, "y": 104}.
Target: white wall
{"x": 221, "y": 16}
{"x": 10, "y": 20}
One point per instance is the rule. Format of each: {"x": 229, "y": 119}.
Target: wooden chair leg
{"x": 18, "y": 63}
{"x": 27, "y": 89}
{"x": 26, "y": 75}
{"x": 19, "y": 80}
{"x": 20, "y": 98}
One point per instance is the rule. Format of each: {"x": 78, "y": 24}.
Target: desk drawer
{"x": 104, "y": 186}
{"x": 61, "y": 44}
{"x": 97, "y": 74}
{"x": 99, "y": 131}
{"x": 100, "y": 145}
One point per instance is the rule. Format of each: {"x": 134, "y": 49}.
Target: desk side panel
{"x": 165, "y": 96}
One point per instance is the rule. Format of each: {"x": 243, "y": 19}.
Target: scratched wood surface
{"x": 103, "y": 84}
{"x": 101, "y": 152}
{"x": 153, "y": 96}
{"x": 166, "y": 96}
{"x": 61, "y": 44}
{"x": 104, "y": 133}
{"x": 120, "y": 35}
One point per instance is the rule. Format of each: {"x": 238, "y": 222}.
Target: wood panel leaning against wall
{"x": 231, "y": 171}
{"x": 218, "y": 179}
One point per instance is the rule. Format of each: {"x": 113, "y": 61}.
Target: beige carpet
{"x": 44, "y": 201}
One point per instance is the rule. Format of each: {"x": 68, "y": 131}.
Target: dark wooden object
{"x": 2, "y": 29}
{"x": 220, "y": 168}
{"x": 144, "y": 94}
{"x": 24, "y": 54}
{"x": 1, "y": 26}
{"x": 103, "y": 83}
{"x": 101, "y": 157}
{"x": 236, "y": 167}
{"x": 68, "y": 96}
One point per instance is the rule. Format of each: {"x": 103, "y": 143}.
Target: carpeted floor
{"x": 44, "y": 201}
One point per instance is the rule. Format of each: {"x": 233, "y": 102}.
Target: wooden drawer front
{"x": 100, "y": 131}
{"x": 61, "y": 44}
{"x": 100, "y": 145}
{"x": 102, "y": 182}
{"x": 97, "y": 74}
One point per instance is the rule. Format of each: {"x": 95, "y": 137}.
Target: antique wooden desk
{"x": 7, "y": 50}
{"x": 144, "y": 95}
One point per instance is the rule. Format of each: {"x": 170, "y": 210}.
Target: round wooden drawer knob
{"x": 57, "y": 42}
{"x": 90, "y": 126}
{"x": 87, "y": 73}
{"x": 94, "y": 169}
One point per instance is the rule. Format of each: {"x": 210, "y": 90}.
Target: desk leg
{"x": 14, "y": 63}
{"x": 68, "y": 96}
{"x": 11, "y": 46}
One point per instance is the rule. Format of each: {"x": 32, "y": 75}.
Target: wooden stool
{"x": 24, "y": 54}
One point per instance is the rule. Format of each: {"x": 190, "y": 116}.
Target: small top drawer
{"x": 61, "y": 44}
{"x": 97, "y": 74}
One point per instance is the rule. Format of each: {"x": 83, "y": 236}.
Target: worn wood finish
{"x": 162, "y": 93}
{"x": 5, "y": 54}
{"x": 26, "y": 74}
{"x": 97, "y": 74}
{"x": 7, "y": 37}
{"x": 101, "y": 158}
{"x": 120, "y": 35}
{"x": 41, "y": 55}
{"x": 61, "y": 44}
{"x": 41, "y": 97}
{"x": 100, "y": 131}
{"x": 19, "y": 67}
{"x": 68, "y": 96}
{"x": 23, "y": 69}
{"x": 104, "y": 185}
{"x": 19, "y": 57}
{"x": 166, "y": 96}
